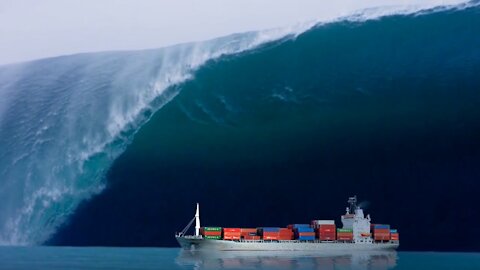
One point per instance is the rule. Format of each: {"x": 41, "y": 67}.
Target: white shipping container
{"x": 316, "y": 223}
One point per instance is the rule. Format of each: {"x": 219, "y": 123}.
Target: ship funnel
{"x": 197, "y": 220}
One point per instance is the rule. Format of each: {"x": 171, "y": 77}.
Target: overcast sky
{"x": 31, "y": 29}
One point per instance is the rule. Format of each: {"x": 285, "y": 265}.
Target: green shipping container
{"x": 212, "y": 237}
{"x": 212, "y": 229}
{"x": 344, "y": 230}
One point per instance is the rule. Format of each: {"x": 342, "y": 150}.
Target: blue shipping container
{"x": 301, "y": 226}
{"x": 393, "y": 231}
{"x": 306, "y": 238}
{"x": 381, "y": 226}
{"x": 270, "y": 229}
{"x": 303, "y": 229}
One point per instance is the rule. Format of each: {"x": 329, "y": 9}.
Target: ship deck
{"x": 198, "y": 243}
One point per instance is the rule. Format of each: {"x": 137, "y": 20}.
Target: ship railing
{"x": 309, "y": 241}
{"x": 188, "y": 236}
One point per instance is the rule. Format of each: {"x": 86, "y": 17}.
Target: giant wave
{"x": 63, "y": 121}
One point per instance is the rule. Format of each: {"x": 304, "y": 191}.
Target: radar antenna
{"x": 352, "y": 201}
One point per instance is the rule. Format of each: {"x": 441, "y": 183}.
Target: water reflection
{"x": 378, "y": 260}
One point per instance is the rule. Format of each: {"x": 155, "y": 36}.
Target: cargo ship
{"x": 357, "y": 233}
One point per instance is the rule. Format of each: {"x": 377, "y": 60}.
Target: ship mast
{"x": 197, "y": 221}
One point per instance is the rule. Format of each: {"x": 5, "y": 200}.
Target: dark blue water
{"x": 386, "y": 109}
{"x": 164, "y": 258}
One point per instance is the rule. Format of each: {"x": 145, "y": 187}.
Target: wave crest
{"x": 64, "y": 120}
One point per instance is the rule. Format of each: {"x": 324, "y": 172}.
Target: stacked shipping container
{"x": 394, "y": 235}
{"x": 269, "y": 233}
{"x": 249, "y": 234}
{"x": 344, "y": 234}
{"x": 232, "y": 233}
{"x": 303, "y": 232}
{"x": 211, "y": 232}
{"x": 324, "y": 231}
{"x": 381, "y": 232}
{"x": 285, "y": 234}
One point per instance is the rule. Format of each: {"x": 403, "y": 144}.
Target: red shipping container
{"x": 326, "y": 233}
{"x": 232, "y": 230}
{"x": 250, "y": 237}
{"x": 231, "y": 237}
{"x": 270, "y": 236}
{"x": 327, "y": 236}
{"x": 327, "y": 228}
{"x": 285, "y": 235}
{"x": 232, "y": 233}
{"x": 381, "y": 231}
{"x": 381, "y": 236}
{"x": 212, "y": 233}
{"x": 306, "y": 234}
{"x": 344, "y": 236}
{"x": 394, "y": 236}
{"x": 248, "y": 231}
{"x": 349, "y": 233}
{"x": 270, "y": 233}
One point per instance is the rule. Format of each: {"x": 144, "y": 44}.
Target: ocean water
{"x": 263, "y": 129}
{"x": 387, "y": 109}
{"x": 52, "y": 258}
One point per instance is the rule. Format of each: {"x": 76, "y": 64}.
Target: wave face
{"x": 386, "y": 109}
{"x": 64, "y": 120}
{"x": 260, "y": 120}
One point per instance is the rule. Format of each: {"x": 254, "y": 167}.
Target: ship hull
{"x": 223, "y": 245}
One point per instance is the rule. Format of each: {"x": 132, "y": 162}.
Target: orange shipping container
{"x": 212, "y": 233}
{"x": 327, "y": 227}
{"x": 270, "y": 236}
{"x": 326, "y": 237}
{"x": 248, "y": 230}
{"x": 232, "y": 233}
{"x": 249, "y": 237}
{"x": 232, "y": 230}
{"x": 306, "y": 234}
{"x": 231, "y": 237}
{"x": 344, "y": 236}
{"x": 382, "y": 237}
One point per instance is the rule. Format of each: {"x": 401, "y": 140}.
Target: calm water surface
{"x": 171, "y": 258}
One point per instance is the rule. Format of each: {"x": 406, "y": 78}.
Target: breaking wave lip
{"x": 88, "y": 122}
